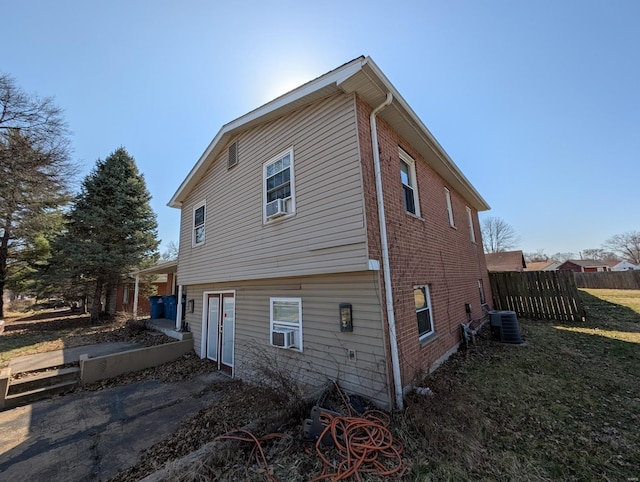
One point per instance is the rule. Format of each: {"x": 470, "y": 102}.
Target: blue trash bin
{"x": 157, "y": 307}
{"x": 170, "y": 307}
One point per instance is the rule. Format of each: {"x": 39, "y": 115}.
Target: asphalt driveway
{"x": 95, "y": 435}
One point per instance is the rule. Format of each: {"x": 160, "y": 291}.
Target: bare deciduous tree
{"x": 626, "y": 246}
{"x": 536, "y": 257}
{"x": 34, "y": 170}
{"x": 599, "y": 254}
{"x": 566, "y": 256}
{"x": 171, "y": 253}
{"x": 497, "y": 235}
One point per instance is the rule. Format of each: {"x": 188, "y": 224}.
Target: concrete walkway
{"x": 95, "y": 435}
{"x": 67, "y": 355}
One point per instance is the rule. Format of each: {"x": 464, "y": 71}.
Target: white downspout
{"x": 391, "y": 320}
{"x": 135, "y": 297}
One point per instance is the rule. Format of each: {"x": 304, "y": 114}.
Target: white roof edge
{"x": 337, "y": 77}
{"x": 334, "y": 77}
{"x": 159, "y": 266}
{"x": 454, "y": 169}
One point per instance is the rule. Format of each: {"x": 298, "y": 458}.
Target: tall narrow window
{"x": 472, "y": 232}
{"x": 483, "y": 299}
{"x": 198, "y": 225}
{"x": 409, "y": 185}
{"x": 447, "y": 195}
{"x": 279, "y": 186}
{"x": 423, "y": 311}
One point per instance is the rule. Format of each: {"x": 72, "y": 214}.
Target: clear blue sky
{"x": 537, "y": 102}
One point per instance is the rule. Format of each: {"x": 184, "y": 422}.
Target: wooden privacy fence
{"x": 541, "y": 295}
{"x": 615, "y": 280}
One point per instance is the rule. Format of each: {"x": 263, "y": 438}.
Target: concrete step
{"x": 33, "y": 380}
{"x": 23, "y": 398}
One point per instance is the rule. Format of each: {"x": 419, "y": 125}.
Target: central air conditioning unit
{"x": 505, "y": 327}
{"x": 276, "y": 208}
{"x": 283, "y": 338}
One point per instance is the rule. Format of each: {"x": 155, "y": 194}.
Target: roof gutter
{"x": 391, "y": 320}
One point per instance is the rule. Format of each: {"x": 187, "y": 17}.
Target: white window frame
{"x": 280, "y": 324}
{"x": 413, "y": 183}
{"x": 125, "y": 294}
{"x": 194, "y": 228}
{"x": 447, "y": 195}
{"x": 291, "y": 200}
{"x": 472, "y": 232}
{"x": 427, "y": 294}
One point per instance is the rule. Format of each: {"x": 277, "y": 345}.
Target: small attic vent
{"x": 233, "y": 155}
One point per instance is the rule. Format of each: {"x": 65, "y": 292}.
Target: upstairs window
{"x": 279, "y": 186}
{"x": 472, "y": 233}
{"x": 409, "y": 185}
{"x": 447, "y": 195}
{"x": 198, "y": 225}
{"x": 423, "y": 311}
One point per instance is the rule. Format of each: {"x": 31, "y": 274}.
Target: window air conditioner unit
{"x": 283, "y": 338}
{"x": 276, "y": 208}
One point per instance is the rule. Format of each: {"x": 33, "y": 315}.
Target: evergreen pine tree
{"x": 111, "y": 228}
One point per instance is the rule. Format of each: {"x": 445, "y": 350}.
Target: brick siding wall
{"x": 422, "y": 251}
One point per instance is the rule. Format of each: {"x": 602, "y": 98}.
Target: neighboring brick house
{"x": 505, "y": 261}
{"x": 159, "y": 279}
{"x": 283, "y": 255}
{"x": 584, "y": 265}
{"x": 125, "y": 294}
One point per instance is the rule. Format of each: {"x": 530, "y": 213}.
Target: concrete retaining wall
{"x": 5, "y": 376}
{"x": 108, "y": 366}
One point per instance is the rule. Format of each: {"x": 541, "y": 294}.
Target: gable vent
{"x": 233, "y": 155}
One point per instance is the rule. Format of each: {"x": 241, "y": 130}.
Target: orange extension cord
{"x": 363, "y": 443}
{"x": 246, "y": 436}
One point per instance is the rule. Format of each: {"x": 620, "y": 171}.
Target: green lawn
{"x": 565, "y": 407}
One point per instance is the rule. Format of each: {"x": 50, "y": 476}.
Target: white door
{"x": 221, "y": 329}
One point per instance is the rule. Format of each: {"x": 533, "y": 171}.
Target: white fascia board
{"x": 334, "y": 77}
{"x": 413, "y": 119}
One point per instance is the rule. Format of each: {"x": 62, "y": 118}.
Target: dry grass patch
{"x": 49, "y": 330}
{"x": 565, "y": 407}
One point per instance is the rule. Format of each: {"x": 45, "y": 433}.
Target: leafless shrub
{"x": 272, "y": 368}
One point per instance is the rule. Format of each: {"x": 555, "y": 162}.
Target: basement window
{"x": 423, "y": 311}
{"x": 286, "y": 323}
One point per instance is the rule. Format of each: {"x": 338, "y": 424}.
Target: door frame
{"x": 204, "y": 327}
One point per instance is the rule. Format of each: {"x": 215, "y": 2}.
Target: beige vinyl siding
{"x": 326, "y": 234}
{"x": 325, "y": 346}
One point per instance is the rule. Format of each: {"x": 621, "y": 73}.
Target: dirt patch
{"x": 183, "y": 368}
{"x": 236, "y": 405}
{"x": 562, "y": 408}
